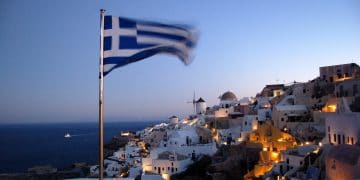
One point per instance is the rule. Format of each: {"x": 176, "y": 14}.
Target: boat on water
{"x": 67, "y": 135}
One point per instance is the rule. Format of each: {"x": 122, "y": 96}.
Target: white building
{"x": 182, "y": 137}
{"x": 239, "y": 133}
{"x": 130, "y": 150}
{"x": 288, "y": 114}
{"x": 174, "y": 120}
{"x": 263, "y": 108}
{"x": 293, "y": 159}
{"x": 223, "y": 112}
{"x": 165, "y": 163}
{"x": 343, "y": 126}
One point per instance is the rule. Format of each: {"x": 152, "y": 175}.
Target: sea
{"x": 26, "y": 145}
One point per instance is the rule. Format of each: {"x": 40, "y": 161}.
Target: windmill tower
{"x": 200, "y": 106}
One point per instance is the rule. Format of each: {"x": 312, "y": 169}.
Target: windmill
{"x": 193, "y": 102}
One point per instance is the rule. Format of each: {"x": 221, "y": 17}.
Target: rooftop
{"x": 275, "y": 86}
{"x": 200, "y": 100}
{"x": 228, "y": 96}
{"x": 165, "y": 156}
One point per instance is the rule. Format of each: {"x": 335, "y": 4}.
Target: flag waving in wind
{"x": 127, "y": 41}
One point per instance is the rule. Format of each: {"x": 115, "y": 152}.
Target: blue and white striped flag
{"x": 127, "y": 41}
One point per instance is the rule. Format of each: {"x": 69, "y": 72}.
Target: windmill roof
{"x": 200, "y": 100}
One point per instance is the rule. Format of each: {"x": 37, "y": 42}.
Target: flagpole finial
{"x": 102, "y": 10}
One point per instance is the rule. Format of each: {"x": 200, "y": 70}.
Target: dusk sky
{"x": 50, "y": 55}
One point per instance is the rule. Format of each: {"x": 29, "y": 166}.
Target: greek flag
{"x": 127, "y": 41}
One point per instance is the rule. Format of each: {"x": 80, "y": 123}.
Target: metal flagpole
{"x": 101, "y": 98}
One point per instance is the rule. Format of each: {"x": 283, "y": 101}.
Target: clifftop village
{"x": 302, "y": 130}
{"x": 307, "y": 130}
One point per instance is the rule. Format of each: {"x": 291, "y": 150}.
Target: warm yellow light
{"x": 316, "y": 151}
{"x": 274, "y": 155}
{"x": 264, "y": 149}
{"x": 280, "y": 140}
{"x": 332, "y": 107}
{"x": 307, "y": 143}
{"x": 343, "y": 79}
{"x": 165, "y": 176}
{"x": 329, "y": 108}
{"x": 320, "y": 144}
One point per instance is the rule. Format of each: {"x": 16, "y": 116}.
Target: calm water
{"x": 24, "y": 146}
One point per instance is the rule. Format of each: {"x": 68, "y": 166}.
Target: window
{"x": 339, "y": 139}
{"x": 352, "y": 140}
{"x": 287, "y": 160}
{"x": 328, "y": 128}
{"x": 282, "y": 119}
{"x": 301, "y": 162}
{"x": 334, "y": 165}
{"x": 355, "y": 89}
{"x": 172, "y": 164}
{"x": 338, "y": 75}
{"x": 163, "y": 169}
{"x": 154, "y": 168}
{"x": 341, "y": 91}
{"x": 168, "y": 168}
{"x": 176, "y": 169}
{"x": 334, "y": 137}
{"x": 343, "y": 139}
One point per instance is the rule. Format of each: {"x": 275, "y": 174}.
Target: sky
{"x": 50, "y": 55}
